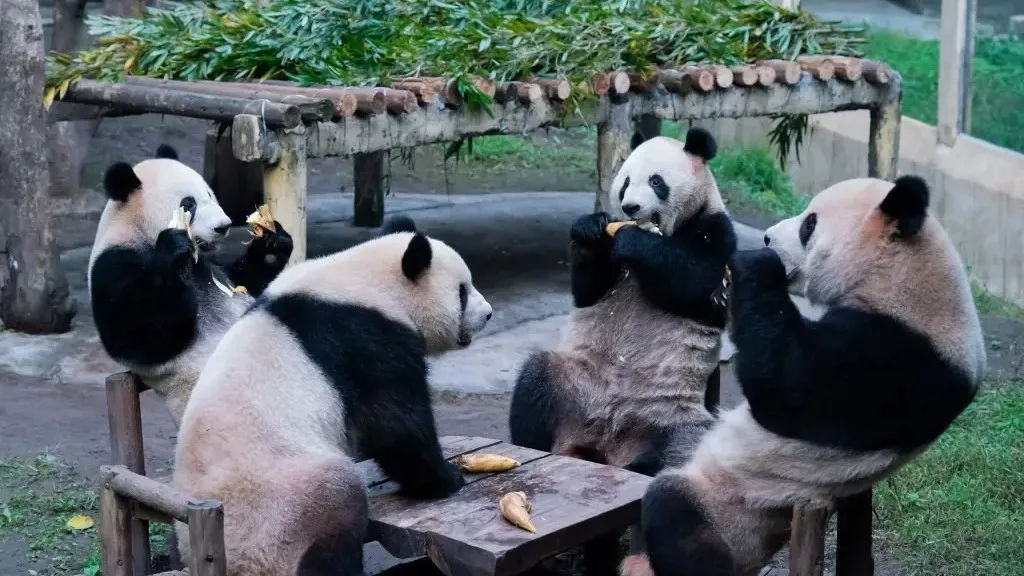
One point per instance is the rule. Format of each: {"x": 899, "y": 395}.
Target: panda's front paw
{"x": 758, "y": 270}
{"x": 590, "y": 228}
{"x": 445, "y": 482}
{"x": 175, "y": 247}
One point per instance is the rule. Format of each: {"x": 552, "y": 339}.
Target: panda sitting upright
{"x": 327, "y": 367}
{"x": 834, "y": 405}
{"x": 645, "y": 337}
{"x": 160, "y": 306}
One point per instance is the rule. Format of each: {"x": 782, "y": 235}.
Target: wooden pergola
{"x": 280, "y": 125}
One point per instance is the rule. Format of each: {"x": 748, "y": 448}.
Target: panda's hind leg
{"x": 678, "y": 534}
{"x": 534, "y": 410}
{"x": 334, "y": 508}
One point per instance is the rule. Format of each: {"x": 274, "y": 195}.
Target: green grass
{"x": 958, "y": 510}
{"x": 988, "y": 303}
{"x": 37, "y": 496}
{"x": 998, "y": 82}
{"x": 573, "y": 151}
{"x": 752, "y": 177}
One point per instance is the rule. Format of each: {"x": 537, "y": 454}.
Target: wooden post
{"x": 116, "y": 534}
{"x": 284, "y": 188}
{"x": 853, "y": 536}
{"x": 884, "y": 135}
{"x": 125, "y": 417}
{"x": 369, "y": 185}
{"x": 645, "y": 128}
{"x": 956, "y": 50}
{"x": 238, "y": 185}
{"x": 206, "y": 538}
{"x": 807, "y": 540}
{"x": 612, "y": 149}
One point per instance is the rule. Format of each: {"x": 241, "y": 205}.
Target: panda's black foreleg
{"x": 593, "y": 272}
{"x": 262, "y": 261}
{"x": 678, "y": 536}
{"x": 531, "y": 417}
{"x": 679, "y": 273}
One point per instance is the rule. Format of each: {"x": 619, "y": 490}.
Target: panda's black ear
{"x": 166, "y": 151}
{"x": 907, "y": 205}
{"x": 701, "y": 144}
{"x": 397, "y": 224}
{"x": 417, "y": 257}
{"x": 120, "y": 181}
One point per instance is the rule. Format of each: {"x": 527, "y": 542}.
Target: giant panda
{"x": 833, "y": 405}
{"x": 158, "y": 307}
{"x": 327, "y": 366}
{"x": 644, "y": 337}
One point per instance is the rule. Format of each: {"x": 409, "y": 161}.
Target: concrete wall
{"x": 977, "y": 187}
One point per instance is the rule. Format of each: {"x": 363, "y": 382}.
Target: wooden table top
{"x": 573, "y": 501}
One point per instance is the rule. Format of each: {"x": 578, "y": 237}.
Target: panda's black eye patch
{"x": 463, "y": 296}
{"x": 659, "y": 186}
{"x": 807, "y": 227}
{"x": 189, "y": 204}
{"x": 622, "y": 193}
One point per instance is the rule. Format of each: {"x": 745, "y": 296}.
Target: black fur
{"x": 378, "y": 366}
{"x": 532, "y": 415}
{"x": 265, "y": 258}
{"x": 701, "y": 143}
{"x": 907, "y": 204}
{"x": 592, "y": 271}
{"x": 341, "y": 557}
{"x": 166, "y": 151}
{"x": 853, "y": 379}
{"x": 678, "y": 538}
{"x": 652, "y": 460}
{"x": 120, "y": 181}
{"x": 676, "y": 273}
{"x": 143, "y": 301}
{"x": 417, "y": 257}
{"x": 395, "y": 224}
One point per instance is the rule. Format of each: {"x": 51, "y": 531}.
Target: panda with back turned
{"x": 327, "y": 367}
{"x": 833, "y": 405}
{"x": 159, "y": 303}
{"x": 645, "y": 336}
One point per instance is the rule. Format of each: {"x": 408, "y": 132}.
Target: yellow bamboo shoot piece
{"x": 612, "y": 227}
{"x": 181, "y": 220}
{"x": 476, "y": 462}
{"x": 241, "y": 290}
{"x": 260, "y": 220}
{"x": 516, "y": 510}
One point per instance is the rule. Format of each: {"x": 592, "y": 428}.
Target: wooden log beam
{"x": 876, "y": 72}
{"x": 150, "y": 493}
{"x": 146, "y": 99}
{"x": 600, "y": 84}
{"x": 527, "y": 94}
{"x": 644, "y": 81}
{"x": 723, "y": 76}
{"x": 369, "y": 101}
{"x": 554, "y": 89}
{"x": 701, "y": 79}
{"x": 344, "y": 103}
{"x": 821, "y": 68}
{"x": 765, "y": 75}
{"x": 426, "y": 94}
{"x": 786, "y": 71}
{"x": 744, "y": 75}
{"x": 807, "y": 540}
{"x": 70, "y": 111}
{"x": 400, "y": 101}
{"x": 618, "y": 84}
{"x": 311, "y": 108}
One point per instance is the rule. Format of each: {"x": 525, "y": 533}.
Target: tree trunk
{"x": 69, "y": 141}
{"x": 33, "y": 291}
{"x": 126, "y": 8}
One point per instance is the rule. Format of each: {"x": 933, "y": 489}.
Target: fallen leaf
{"x": 79, "y": 522}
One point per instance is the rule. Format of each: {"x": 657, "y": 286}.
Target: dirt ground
{"x": 66, "y": 418}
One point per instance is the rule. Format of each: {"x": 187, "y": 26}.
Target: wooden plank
{"x": 807, "y": 540}
{"x": 206, "y": 538}
{"x": 124, "y": 415}
{"x": 956, "y": 50}
{"x": 451, "y": 446}
{"x": 160, "y": 497}
{"x": 853, "y": 536}
{"x": 573, "y": 501}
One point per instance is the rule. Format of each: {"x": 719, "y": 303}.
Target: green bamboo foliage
{"x": 368, "y": 42}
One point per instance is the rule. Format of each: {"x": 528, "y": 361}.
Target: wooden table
{"x": 573, "y": 501}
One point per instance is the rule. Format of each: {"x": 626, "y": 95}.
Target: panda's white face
{"x": 661, "y": 183}
{"x": 166, "y": 184}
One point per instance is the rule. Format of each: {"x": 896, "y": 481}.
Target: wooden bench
{"x": 574, "y": 502}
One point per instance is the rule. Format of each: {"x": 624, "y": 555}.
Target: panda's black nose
{"x": 767, "y": 240}
{"x": 630, "y": 208}
{"x": 222, "y": 229}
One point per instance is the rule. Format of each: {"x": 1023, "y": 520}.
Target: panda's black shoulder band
{"x": 120, "y": 181}
{"x": 166, "y": 151}
{"x": 701, "y": 143}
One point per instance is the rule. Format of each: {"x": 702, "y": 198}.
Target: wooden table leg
{"x": 284, "y": 188}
